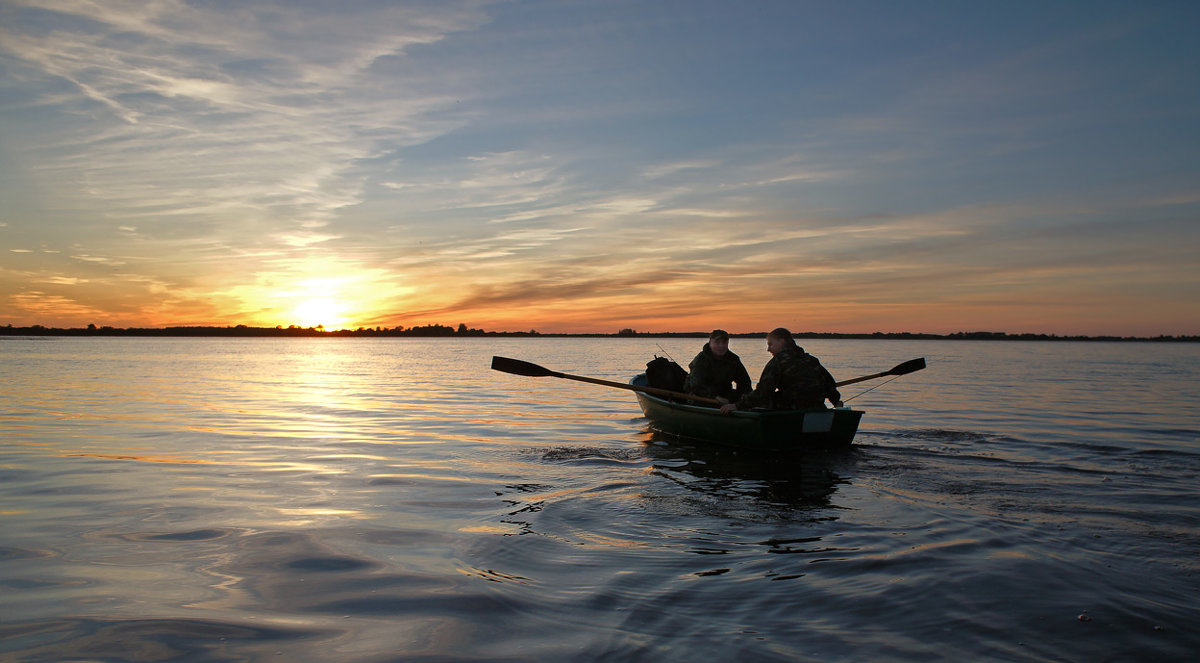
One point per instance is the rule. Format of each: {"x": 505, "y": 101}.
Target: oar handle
{"x": 633, "y": 387}
{"x": 910, "y": 366}
{"x": 528, "y": 369}
{"x": 862, "y": 379}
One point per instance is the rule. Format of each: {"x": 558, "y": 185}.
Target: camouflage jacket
{"x": 792, "y": 380}
{"x": 711, "y": 376}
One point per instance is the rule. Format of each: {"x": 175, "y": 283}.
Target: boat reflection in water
{"x": 796, "y": 479}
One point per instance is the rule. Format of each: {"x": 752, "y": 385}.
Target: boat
{"x": 676, "y": 413}
{"x": 762, "y": 429}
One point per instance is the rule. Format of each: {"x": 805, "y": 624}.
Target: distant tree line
{"x": 243, "y": 330}
{"x": 463, "y": 330}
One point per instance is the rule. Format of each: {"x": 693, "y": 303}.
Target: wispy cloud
{"x": 257, "y": 111}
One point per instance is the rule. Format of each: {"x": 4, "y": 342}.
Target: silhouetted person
{"x": 792, "y": 380}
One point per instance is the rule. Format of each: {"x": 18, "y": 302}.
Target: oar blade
{"x": 910, "y": 366}
{"x": 518, "y": 367}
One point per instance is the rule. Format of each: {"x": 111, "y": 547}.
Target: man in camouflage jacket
{"x": 792, "y": 380}
{"x": 715, "y": 369}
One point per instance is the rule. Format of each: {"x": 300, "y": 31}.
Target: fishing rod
{"x": 844, "y": 400}
{"x": 910, "y": 366}
{"x": 664, "y": 351}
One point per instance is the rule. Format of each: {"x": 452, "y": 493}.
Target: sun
{"x": 329, "y": 294}
{"x": 320, "y": 311}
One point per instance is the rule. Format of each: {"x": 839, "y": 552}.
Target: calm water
{"x": 394, "y": 500}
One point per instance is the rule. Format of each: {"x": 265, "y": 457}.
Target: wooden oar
{"x": 518, "y": 367}
{"x": 910, "y": 366}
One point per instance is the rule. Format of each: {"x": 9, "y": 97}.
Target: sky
{"x": 589, "y": 166}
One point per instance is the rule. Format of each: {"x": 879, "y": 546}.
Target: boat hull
{"x": 788, "y": 429}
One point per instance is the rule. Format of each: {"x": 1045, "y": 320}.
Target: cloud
{"x": 55, "y": 307}
{"x": 200, "y": 131}
{"x": 104, "y": 260}
{"x": 489, "y": 180}
{"x": 660, "y": 170}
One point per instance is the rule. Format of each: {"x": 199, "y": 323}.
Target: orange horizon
{"x": 345, "y": 297}
{"x": 582, "y": 330}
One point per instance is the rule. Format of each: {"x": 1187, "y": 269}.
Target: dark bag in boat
{"x": 663, "y": 373}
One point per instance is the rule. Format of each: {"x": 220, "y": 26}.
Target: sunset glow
{"x": 320, "y": 312}
{"x": 585, "y": 168}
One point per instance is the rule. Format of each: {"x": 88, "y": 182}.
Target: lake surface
{"x": 333, "y": 500}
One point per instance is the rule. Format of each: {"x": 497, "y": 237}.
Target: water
{"x": 394, "y": 500}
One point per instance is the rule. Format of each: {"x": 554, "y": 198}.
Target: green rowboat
{"x": 765, "y": 429}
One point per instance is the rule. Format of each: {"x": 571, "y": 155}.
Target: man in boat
{"x": 792, "y": 380}
{"x": 716, "y": 372}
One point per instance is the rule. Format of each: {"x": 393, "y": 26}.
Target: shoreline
{"x": 438, "y": 331}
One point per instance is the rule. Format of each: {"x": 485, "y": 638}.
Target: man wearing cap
{"x": 716, "y": 372}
